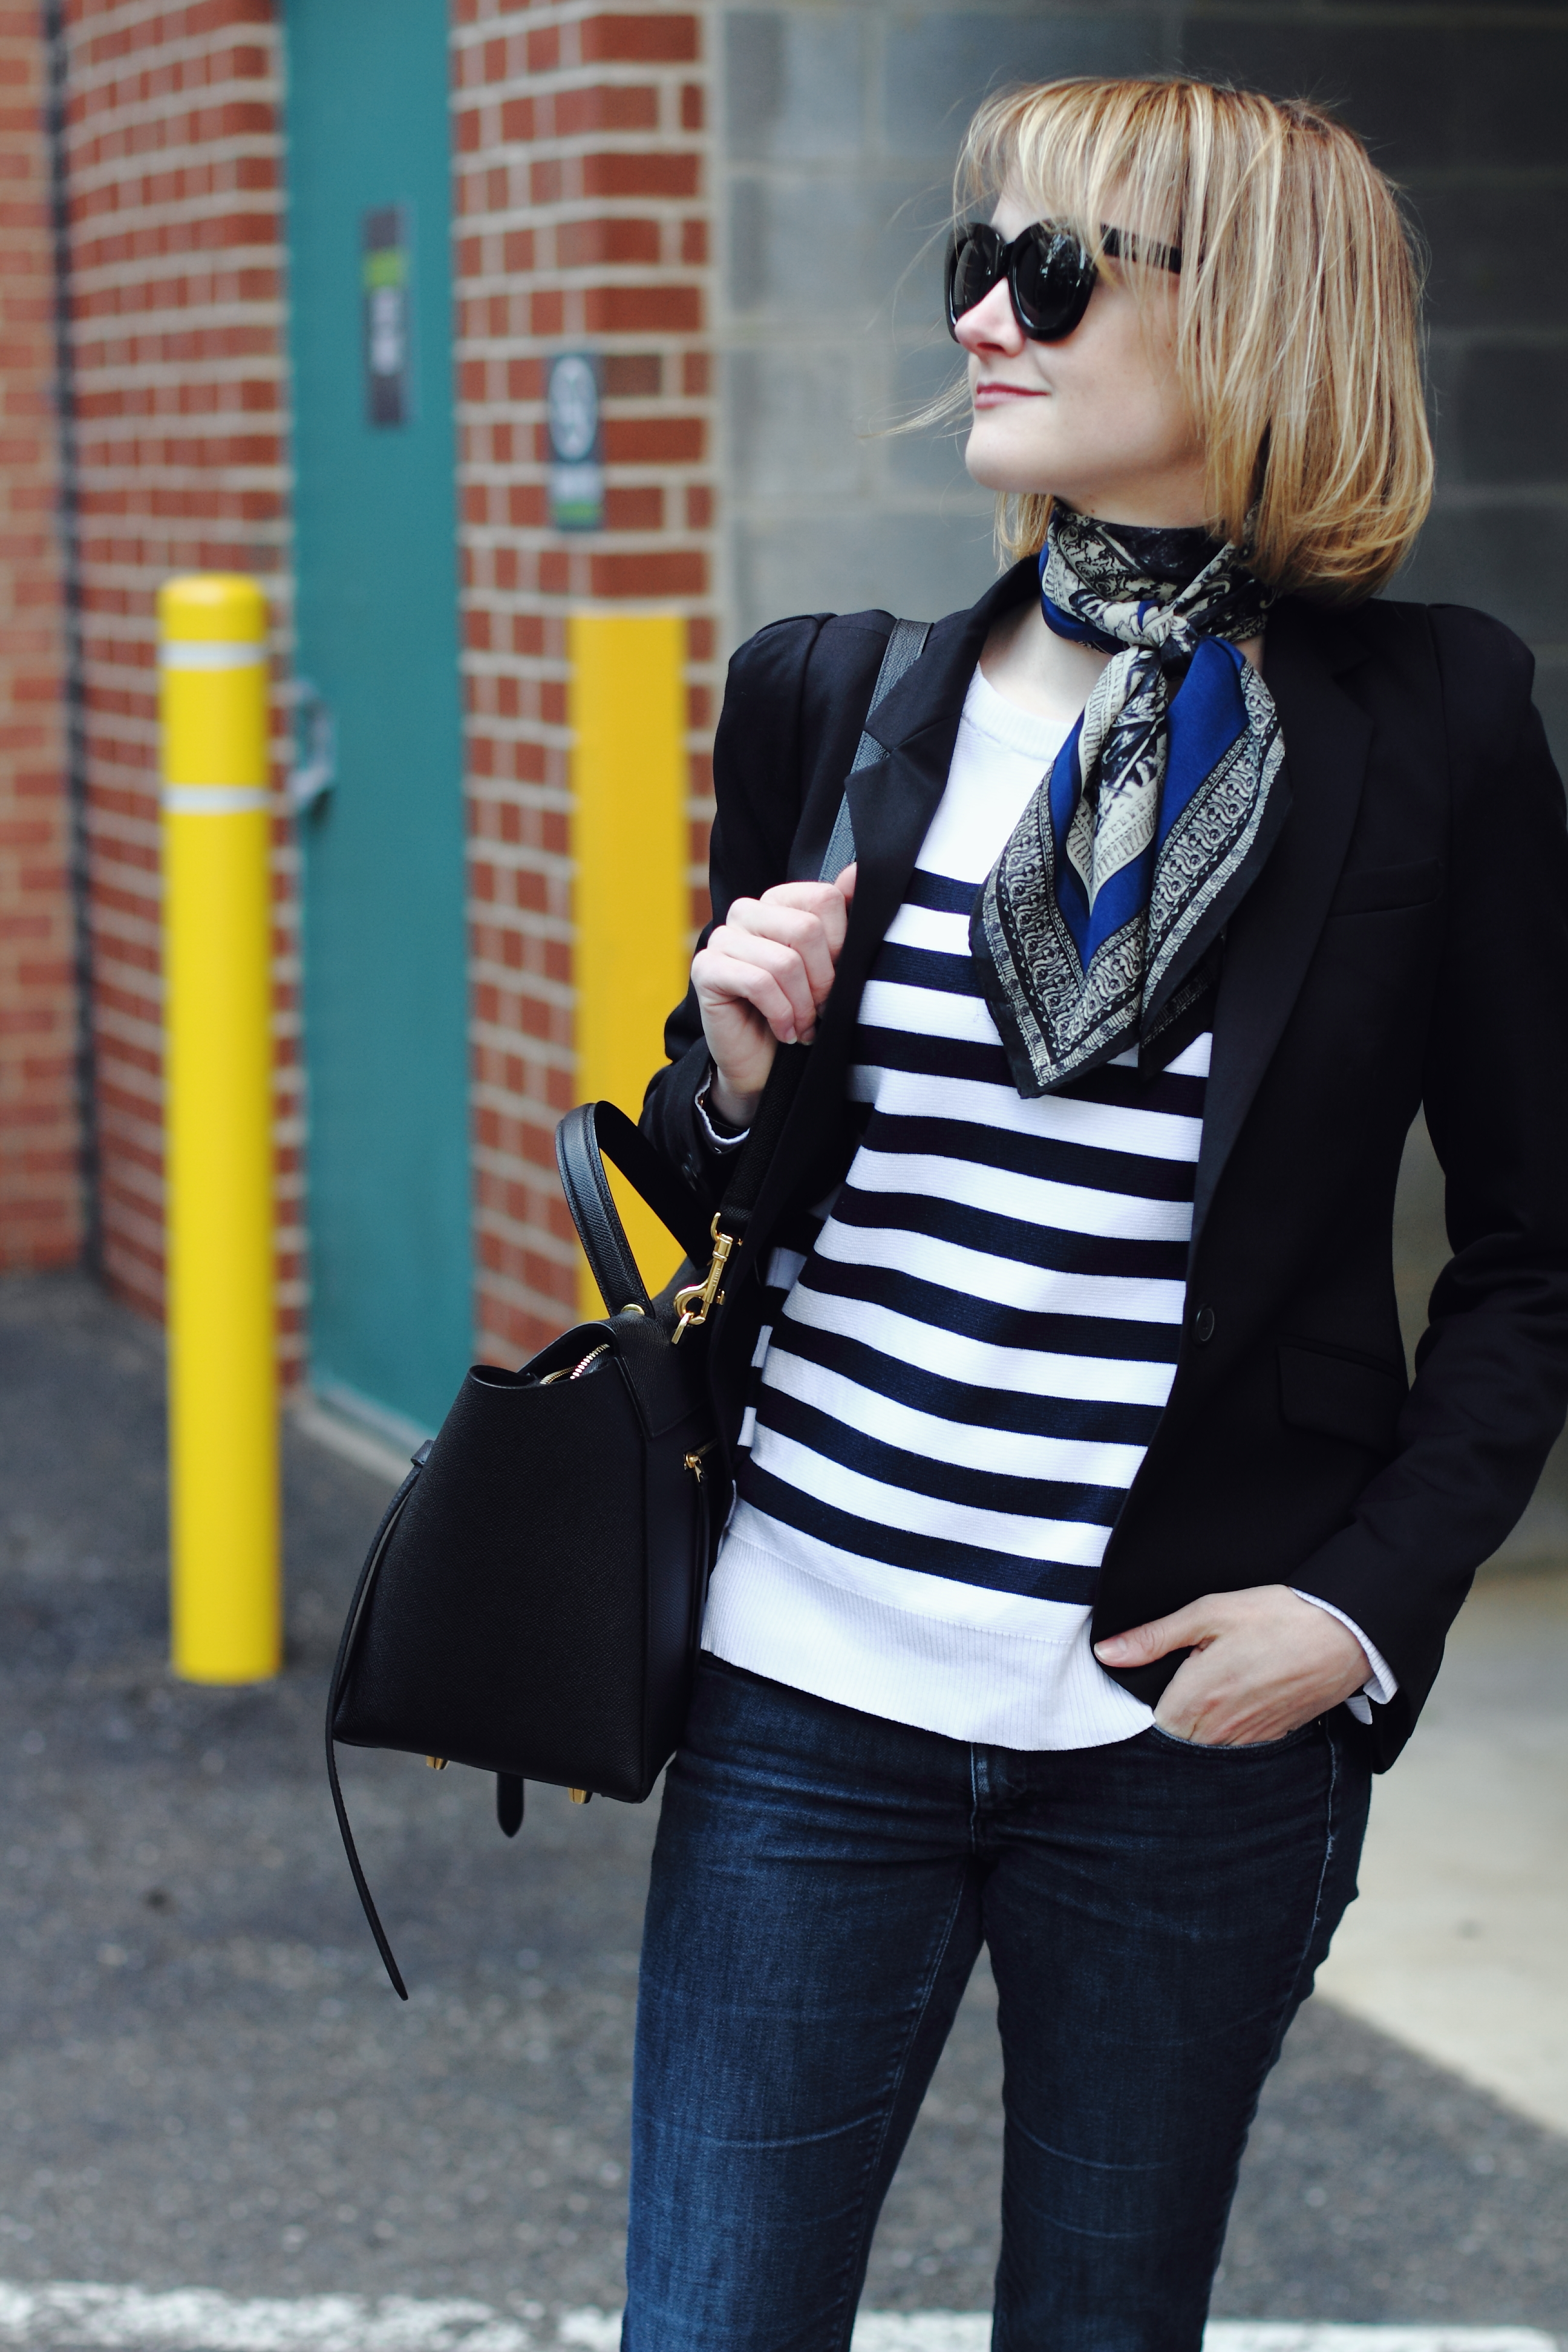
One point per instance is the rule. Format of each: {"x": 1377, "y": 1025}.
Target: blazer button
{"x": 1203, "y": 1326}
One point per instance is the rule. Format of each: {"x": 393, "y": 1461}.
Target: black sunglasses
{"x": 1049, "y": 275}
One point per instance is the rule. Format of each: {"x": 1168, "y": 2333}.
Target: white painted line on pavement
{"x": 969, "y": 2331}
{"x": 201, "y": 2319}
{"x": 367, "y": 1449}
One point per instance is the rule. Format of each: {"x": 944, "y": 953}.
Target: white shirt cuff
{"x": 718, "y": 1142}
{"x": 1380, "y": 1685}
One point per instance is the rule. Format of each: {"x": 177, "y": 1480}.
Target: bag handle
{"x": 584, "y": 1140}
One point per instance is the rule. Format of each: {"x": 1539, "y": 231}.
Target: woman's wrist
{"x": 726, "y": 1105}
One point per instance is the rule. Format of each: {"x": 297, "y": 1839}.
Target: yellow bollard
{"x": 629, "y": 845}
{"x": 217, "y": 1076}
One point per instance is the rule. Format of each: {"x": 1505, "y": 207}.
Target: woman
{"x": 1088, "y": 1552}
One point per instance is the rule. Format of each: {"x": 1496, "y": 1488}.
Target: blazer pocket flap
{"x": 1340, "y": 1396}
{"x": 1377, "y": 890}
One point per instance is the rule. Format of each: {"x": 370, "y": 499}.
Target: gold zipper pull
{"x": 580, "y": 1795}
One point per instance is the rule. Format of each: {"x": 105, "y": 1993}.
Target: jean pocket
{"x": 1240, "y": 1748}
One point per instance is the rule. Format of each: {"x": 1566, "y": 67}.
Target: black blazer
{"x": 1406, "y": 943}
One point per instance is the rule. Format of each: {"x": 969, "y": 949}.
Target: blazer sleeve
{"x": 758, "y": 782}
{"x": 1491, "y": 1369}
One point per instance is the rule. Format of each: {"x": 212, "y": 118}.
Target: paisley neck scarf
{"x": 1090, "y": 934}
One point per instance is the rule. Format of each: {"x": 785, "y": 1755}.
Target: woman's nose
{"x": 992, "y": 325}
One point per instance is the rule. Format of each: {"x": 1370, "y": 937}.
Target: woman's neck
{"x": 1036, "y": 671}
{"x": 1048, "y": 675}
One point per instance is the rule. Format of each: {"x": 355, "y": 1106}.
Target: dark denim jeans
{"x": 822, "y": 1883}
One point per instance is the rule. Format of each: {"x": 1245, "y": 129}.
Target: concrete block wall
{"x": 582, "y": 217}
{"x": 40, "y": 1206}
{"x": 840, "y": 119}
{"x": 177, "y": 292}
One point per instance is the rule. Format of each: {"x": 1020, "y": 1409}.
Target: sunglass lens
{"x": 972, "y": 270}
{"x": 1052, "y": 279}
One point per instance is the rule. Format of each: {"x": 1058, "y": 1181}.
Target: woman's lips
{"x": 993, "y": 395}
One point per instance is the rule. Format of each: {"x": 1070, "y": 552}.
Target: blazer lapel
{"x": 893, "y": 802}
{"x": 1276, "y": 928}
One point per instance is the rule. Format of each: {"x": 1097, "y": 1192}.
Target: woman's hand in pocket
{"x": 762, "y": 979}
{"x": 1258, "y": 1663}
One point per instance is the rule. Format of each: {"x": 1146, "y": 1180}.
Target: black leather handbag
{"x": 532, "y": 1603}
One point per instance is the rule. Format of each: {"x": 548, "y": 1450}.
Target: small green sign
{"x": 576, "y": 442}
{"x": 387, "y": 324}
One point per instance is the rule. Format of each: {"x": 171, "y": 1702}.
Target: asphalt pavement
{"x": 205, "y": 2079}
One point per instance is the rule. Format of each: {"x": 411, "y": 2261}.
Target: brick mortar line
{"x": 554, "y": 16}
{"x": 101, "y": 78}
{"x": 128, "y": 227}
{"x": 235, "y": 147}
{"x": 238, "y": 478}
{"x": 96, "y": 114}
{"x": 570, "y": 81}
{"x": 586, "y": 278}
{"x": 576, "y": 212}
{"x": 129, "y": 16}
{"x": 179, "y": 269}
{"x": 143, "y": 372}
{"x": 179, "y": 111}
{"x": 559, "y": 995}
{"x": 497, "y": 1037}
{"x": 139, "y": 211}
{"x": 574, "y": 147}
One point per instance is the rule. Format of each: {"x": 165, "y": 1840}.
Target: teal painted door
{"x": 385, "y": 981}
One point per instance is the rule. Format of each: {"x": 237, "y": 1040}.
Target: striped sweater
{"x": 965, "y": 1352}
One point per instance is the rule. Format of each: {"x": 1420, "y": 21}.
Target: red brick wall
{"x": 178, "y": 338}
{"x": 39, "y": 1203}
{"x": 582, "y": 216}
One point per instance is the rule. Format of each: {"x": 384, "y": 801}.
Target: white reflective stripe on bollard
{"x": 199, "y": 653}
{"x": 213, "y": 800}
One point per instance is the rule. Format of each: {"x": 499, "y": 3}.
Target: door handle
{"x": 315, "y": 774}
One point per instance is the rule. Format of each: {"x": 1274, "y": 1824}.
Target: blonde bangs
{"x": 1297, "y": 306}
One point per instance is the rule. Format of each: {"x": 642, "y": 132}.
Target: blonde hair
{"x": 1297, "y": 306}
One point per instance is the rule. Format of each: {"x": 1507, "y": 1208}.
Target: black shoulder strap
{"x": 905, "y": 648}
{"x": 373, "y": 1558}
{"x": 595, "y": 1132}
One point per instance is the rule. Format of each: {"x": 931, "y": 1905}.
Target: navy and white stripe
{"x": 966, "y": 1352}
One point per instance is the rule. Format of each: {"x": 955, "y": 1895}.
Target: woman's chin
{"x": 995, "y": 460}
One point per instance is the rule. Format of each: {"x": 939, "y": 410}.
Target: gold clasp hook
{"x": 694, "y": 1303}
